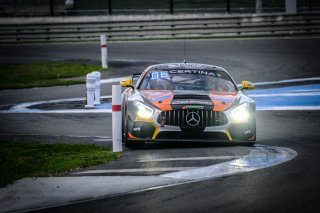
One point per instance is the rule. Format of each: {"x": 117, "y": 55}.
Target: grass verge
{"x": 27, "y": 159}
{"x": 17, "y": 76}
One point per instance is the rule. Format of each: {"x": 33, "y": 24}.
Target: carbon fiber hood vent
{"x": 185, "y": 99}
{"x": 191, "y": 96}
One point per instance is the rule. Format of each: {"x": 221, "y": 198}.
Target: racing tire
{"x": 124, "y": 124}
{"x": 249, "y": 143}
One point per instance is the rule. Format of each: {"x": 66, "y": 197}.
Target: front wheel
{"x": 128, "y": 144}
{"x": 134, "y": 144}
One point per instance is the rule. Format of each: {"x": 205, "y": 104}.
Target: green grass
{"x": 17, "y": 76}
{"x": 27, "y": 159}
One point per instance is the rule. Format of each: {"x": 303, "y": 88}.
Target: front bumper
{"x": 151, "y": 130}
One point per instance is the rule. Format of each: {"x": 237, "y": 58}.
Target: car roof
{"x": 196, "y": 66}
{"x": 184, "y": 65}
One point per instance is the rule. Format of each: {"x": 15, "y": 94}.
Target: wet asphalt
{"x": 292, "y": 186}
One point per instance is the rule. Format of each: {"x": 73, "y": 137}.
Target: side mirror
{"x": 126, "y": 83}
{"x": 247, "y": 85}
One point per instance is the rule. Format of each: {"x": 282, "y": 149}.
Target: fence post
{"x": 258, "y": 6}
{"x": 116, "y": 119}
{"x": 310, "y": 5}
{"x": 110, "y": 7}
{"x": 228, "y": 7}
{"x": 104, "y": 51}
{"x": 291, "y": 6}
{"x": 51, "y": 7}
{"x": 171, "y": 6}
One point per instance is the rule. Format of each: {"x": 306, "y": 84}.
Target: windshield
{"x": 187, "y": 80}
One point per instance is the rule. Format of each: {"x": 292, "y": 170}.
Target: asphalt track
{"x": 291, "y": 186}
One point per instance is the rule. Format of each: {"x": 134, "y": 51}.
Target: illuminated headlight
{"x": 144, "y": 111}
{"x": 241, "y": 113}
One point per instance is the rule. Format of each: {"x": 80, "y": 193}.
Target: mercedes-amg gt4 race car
{"x": 186, "y": 102}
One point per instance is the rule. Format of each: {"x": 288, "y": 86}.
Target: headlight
{"x": 241, "y": 113}
{"x": 144, "y": 111}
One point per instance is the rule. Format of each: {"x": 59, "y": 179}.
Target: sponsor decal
{"x": 192, "y": 107}
{"x": 222, "y": 99}
{"x": 194, "y": 66}
{"x": 187, "y": 102}
{"x": 151, "y": 92}
{"x": 173, "y": 66}
{"x": 160, "y": 98}
{"x": 199, "y": 72}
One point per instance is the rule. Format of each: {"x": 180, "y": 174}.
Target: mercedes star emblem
{"x": 193, "y": 119}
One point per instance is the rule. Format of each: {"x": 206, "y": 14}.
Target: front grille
{"x": 207, "y": 118}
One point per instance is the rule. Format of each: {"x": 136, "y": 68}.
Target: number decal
{"x": 156, "y": 75}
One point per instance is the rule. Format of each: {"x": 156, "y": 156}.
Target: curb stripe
{"x": 116, "y": 108}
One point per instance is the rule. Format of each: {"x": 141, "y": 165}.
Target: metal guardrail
{"x": 307, "y": 24}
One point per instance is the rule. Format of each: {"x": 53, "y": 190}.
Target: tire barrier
{"x": 93, "y": 90}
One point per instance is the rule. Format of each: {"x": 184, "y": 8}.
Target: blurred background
{"x": 13, "y": 8}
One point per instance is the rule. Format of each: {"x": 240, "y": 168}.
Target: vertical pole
{"x": 171, "y": 6}
{"x": 228, "y": 6}
{"x": 116, "y": 119}
{"x": 52, "y": 7}
{"x": 291, "y": 6}
{"x": 310, "y": 5}
{"x": 258, "y": 6}
{"x": 104, "y": 51}
{"x": 110, "y": 7}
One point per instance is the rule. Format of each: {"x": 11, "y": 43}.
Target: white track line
{"x": 259, "y": 157}
{"x": 71, "y": 136}
{"x": 103, "y": 140}
{"x": 283, "y": 108}
{"x": 285, "y": 81}
{"x": 154, "y": 169}
{"x": 286, "y": 94}
{"x": 190, "y": 159}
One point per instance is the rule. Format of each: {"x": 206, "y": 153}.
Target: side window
{"x": 135, "y": 78}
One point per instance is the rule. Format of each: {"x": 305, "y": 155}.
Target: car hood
{"x": 169, "y": 100}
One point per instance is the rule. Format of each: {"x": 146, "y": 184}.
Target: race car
{"x": 186, "y": 102}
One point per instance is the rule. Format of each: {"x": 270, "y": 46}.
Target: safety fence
{"x": 168, "y": 27}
